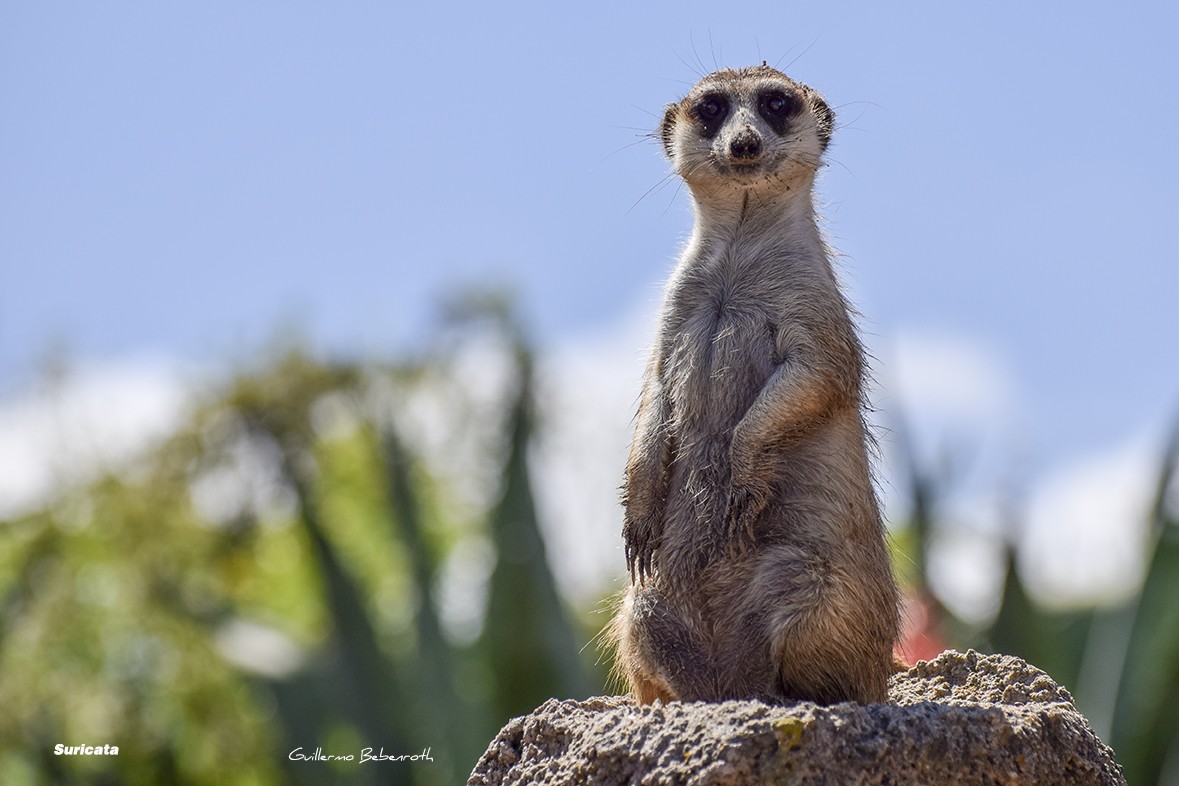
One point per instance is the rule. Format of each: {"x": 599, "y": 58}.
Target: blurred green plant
{"x": 1121, "y": 664}
{"x": 270, "y": 578}
{"x": 267, "y": 580}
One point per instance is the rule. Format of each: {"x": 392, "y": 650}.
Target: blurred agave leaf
{"x": 528, "y": 638}
{"x": 1145, "y": 723}
{"x": 300, "y": 702}
{"x": 1053, "y": 641}
{"x": 278, "y": 407}
{"x": 445, "y": 718}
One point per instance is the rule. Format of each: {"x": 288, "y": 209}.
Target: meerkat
{"x": 754, "y": 540}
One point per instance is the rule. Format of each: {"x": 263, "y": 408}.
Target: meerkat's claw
{"x": 640, "y": 550}
{"x": 744, "y": 506}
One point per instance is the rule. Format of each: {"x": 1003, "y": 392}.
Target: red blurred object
{"x": 920, "y": 635}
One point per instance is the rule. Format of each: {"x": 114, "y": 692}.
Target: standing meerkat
{"x": 754, "y": 540}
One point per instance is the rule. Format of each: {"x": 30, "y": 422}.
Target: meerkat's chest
{"x": 723, "y": 348}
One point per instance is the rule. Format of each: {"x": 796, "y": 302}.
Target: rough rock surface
{"x": 962, "y": 718}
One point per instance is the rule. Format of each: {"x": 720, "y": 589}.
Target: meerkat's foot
{"x": 646, "y": 688}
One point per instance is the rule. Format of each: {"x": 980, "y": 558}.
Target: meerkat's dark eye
{"x": 711, "y": 110}
{"x": 778, "y": 107}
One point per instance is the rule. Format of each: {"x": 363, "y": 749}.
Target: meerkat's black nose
{"x": 746, "y": 144}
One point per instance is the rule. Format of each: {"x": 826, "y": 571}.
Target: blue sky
{"x": 189, "y": 181}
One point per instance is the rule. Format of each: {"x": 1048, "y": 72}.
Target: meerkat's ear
{"x": 824, "y": 117}
{"x": 667, "y": 127}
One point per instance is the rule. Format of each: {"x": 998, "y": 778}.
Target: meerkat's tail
{"x": 608, "y": 641}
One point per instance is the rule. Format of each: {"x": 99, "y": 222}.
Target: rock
{"x": 962, "y": 718}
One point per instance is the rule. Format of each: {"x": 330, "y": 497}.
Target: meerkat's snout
{"x": 746, "y": 145}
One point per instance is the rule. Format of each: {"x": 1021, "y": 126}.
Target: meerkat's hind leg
{"x": 822, "y": 643}
{"x": 828, "y": 674}
{"x": 659, "y": 652}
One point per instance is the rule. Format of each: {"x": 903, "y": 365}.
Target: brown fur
{"x": 753, "y": 535}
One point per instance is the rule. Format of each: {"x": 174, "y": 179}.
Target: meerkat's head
{"x": 747, "y": 128}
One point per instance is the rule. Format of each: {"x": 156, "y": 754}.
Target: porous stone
{"x": 962, "y": 718}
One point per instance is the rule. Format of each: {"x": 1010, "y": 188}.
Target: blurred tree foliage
{"x": 268, "y": 579}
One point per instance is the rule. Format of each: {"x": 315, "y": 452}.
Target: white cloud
{"x": 258, "y": 649}
{"x": 97, "y": 417}
{"x": 956, "y": 399}
{"x": 966, "y": 571}
{"x": 1087, "y": 524}
{"x": 952, "y": 401}
{"x": 588, "y": 388}
{"x": 952, "y": 380}
{"x": 1083, "y": 518}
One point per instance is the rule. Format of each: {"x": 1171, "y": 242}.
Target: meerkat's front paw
{"x": 746, "y": 502}
{"x": 749, "y": 491}
{"x": 639, "y": 534}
